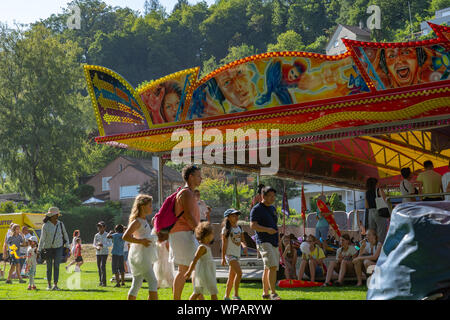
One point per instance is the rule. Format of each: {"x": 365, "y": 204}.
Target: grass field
{"x": 84, "y": 287}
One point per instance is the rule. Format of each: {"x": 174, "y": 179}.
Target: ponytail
{"x": 227, "y": 225}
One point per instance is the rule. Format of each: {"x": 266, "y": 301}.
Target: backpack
{"x": 165, "y": 219}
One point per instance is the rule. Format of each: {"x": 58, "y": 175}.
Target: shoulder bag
{"x": 382, "y": 207}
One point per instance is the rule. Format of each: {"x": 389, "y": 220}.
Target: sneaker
{"x": 8, "y": 281}
{"x": 33, "y": 287}
{"x": 236, "y": 298}
{"x": 49, "y": 288}
{"x": 117, "y": 285}
{"x": 226, "y": 298}
{"x": 22, "y": 281}
{"x": 29, "y": 288}
{"x": 55, "y": 288}
{"x": 122, "y": 284}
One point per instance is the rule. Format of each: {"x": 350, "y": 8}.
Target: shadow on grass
{"x": 326, "y": 289}
{"x": 258, "y": 285}
{"x": 83, "y": 290}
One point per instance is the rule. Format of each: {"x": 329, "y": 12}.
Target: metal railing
{"x": 425, "y": 195}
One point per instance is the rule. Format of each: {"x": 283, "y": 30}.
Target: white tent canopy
{"x": 93, "y": 200}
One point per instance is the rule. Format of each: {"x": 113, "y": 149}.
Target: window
{"x": 105, "y": 184}
{"x": 120, "y": 167}
{"x": 129, "y": 191}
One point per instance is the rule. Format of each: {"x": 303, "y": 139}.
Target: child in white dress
{"x": 31, "y": 262}
{"x": 143, "y": 252}
{"x": 205, "y": 269}
{"x": 164, "y": 270}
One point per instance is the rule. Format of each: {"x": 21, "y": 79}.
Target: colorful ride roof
{"x": 340, "y": 119}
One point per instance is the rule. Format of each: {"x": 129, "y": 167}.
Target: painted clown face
{"x": 402, "y": 65}
{"x": 293, "y": 74}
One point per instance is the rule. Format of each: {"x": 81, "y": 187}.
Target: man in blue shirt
{"x": 263, "y": 219}
{"x": 118, "y": 264}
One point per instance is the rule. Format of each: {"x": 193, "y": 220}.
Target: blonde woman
{"x": 368, "y": 254}
{"x": 143, "y": 251}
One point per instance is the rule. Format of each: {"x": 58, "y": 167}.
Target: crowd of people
{"x": 138, "y": 249}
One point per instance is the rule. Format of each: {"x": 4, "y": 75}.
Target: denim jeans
{"x": 54, "y": 263}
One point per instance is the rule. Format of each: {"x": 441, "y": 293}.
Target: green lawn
{"x": 84, "y": 287}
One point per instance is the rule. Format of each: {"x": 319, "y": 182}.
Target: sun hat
{"x": 231, "y": 211}
{"x": 52, "y": 212}
{"x": 33, "y": 238}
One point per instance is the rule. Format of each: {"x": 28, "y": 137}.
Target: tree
{"x": 7, "y": 207}
{"x": 238, "y": 52}
{"x": 436, "y": 5}
{"x": 208, "y": 66}
{"x": 153, "y": 6}
{"x": 225, "y": 26}
{"x": 96, "y": 16}
{"x": 179, "y": 5}
{"x": 288, "y": 41}
{"x": 318, "y": 46}
{"x": 335, "y": 203}
{"x": 308, "y": 18}
{"x": 41, "y": 110}
{"x": 279, "y": 16}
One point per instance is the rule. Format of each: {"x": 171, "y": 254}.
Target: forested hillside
{"x": 48, "y": 124}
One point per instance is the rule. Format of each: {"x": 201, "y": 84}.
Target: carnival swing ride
{"x": 339, "y": 119}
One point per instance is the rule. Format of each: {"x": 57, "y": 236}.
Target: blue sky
{"x": 27, "y": 11}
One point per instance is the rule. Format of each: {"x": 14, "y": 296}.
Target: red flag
{"x": 303, "y": 209}
{"x": 328, "y": 215}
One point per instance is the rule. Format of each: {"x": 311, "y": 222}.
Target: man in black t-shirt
{"x": 263, "y": 219}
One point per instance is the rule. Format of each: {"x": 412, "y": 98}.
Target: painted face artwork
{"x": 170, "y": 106}
{"x": 402, "y": 66}
{"x": 293, "y": 74}
{"x": 236, "y": 86}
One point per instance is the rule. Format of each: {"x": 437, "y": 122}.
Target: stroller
{"x": 414, "y": 263}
